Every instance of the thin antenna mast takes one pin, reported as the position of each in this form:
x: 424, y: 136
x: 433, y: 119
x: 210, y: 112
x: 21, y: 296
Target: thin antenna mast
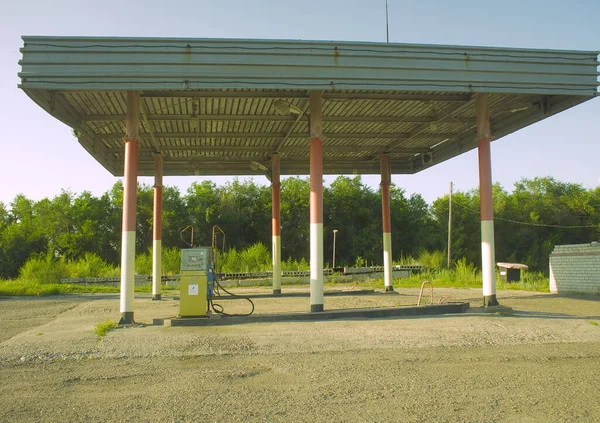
x: 387, y: 25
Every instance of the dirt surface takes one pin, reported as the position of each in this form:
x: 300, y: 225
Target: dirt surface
x: 540, y: 363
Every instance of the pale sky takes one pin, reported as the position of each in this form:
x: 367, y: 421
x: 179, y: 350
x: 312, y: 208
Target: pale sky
x: 40, y: 156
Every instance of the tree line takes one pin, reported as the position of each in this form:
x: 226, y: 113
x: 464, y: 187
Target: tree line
x: 536, y: 215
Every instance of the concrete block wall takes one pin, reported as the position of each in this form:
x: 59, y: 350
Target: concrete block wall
x: 575, y: 269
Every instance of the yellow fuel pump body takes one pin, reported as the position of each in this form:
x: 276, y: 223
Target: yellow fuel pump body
x: 193, y: 282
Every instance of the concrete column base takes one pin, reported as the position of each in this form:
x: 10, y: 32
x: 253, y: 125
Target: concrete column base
x: 157, y: 297
x: 277, y: 292
x: 389, y: 289
x: 490, y: 301
x: 316, y: 308
x: 126, y: 318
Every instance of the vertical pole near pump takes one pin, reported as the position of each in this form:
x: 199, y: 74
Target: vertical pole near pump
x: 276, y: 230
x: 157, y: 228
x: 450, y: 226
x: 131, y: 142
x: 484, y: 137
x: 386, y: 177
x: 316, y: 203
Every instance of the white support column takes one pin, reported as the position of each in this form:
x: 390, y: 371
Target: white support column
x: 131, y: 141
x: 157, y: 228
x: 386, y: 177
x: 276, y: 224
x: 316, y: 203
x: 484, y: 137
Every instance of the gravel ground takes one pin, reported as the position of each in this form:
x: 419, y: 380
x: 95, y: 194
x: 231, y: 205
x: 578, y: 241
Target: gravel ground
x: 540, y: 363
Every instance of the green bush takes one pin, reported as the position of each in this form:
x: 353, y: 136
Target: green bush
x: 432, y: 260
x: 256, y: 258
x: 228, y: 261
x: 91, y: 266
x: 143, y: 263
x: 171, y: 261
x: 464, y: 269
x: 295, y: 265
x: 406, y: 261
x: 43, y: 270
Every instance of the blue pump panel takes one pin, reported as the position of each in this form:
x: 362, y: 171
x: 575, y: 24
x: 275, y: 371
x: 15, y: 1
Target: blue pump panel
x: 210, y: 276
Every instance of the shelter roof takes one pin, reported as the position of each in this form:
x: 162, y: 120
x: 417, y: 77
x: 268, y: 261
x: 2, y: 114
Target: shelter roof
x: 214, y: 106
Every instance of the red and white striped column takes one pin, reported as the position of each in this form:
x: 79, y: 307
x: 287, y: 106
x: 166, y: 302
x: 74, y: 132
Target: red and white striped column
x: 276, y: 223
x: 157, y: 228
x: 131, y: 141
x: 316, y: 203
x: 484, y: 137
x: 386, y: 177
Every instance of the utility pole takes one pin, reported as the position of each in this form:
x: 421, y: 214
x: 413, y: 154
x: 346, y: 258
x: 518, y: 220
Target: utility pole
x: 449, y: 224
x: 335, y: 231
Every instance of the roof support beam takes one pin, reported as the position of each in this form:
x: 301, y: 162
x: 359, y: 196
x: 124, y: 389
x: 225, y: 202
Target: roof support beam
x: 327, y: 95
x: 277, y: 135
x: 421, y: 128
x: 290, y: 128
x: 149, y: 127
x: 279, y: 118
x: 269, y: 150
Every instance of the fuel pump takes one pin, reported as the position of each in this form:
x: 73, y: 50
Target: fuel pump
x: 198, y: 285
x: 196, y: 282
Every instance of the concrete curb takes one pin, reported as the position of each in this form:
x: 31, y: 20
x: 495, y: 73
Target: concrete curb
x: 365, y: 313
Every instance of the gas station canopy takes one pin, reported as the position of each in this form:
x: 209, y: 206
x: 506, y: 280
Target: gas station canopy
x: 224, y: 107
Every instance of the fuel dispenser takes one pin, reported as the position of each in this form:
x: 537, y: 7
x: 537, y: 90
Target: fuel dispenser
x: 196, y: 282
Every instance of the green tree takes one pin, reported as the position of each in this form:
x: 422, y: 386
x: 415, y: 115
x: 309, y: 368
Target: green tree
x: 355, y: 210
x: 295, y: 229
x: 20, y: 236
x: 203, y: 207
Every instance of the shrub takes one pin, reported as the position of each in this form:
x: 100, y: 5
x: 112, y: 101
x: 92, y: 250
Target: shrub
x: 91, y: 266
x: 43, y: 270
x: 406, y: 261
x: 143, y: 263
x: 295, y: 265
x: 359, y: 262
x: 256, y: 258
x: 171, y: 261
x: 464, y: 269
x: 433, y: 260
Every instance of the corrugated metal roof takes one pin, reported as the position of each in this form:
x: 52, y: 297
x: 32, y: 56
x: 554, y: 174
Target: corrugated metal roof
x: 208, y: 105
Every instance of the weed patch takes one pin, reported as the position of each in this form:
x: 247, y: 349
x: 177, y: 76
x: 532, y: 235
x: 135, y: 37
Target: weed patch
x: 103, y: 328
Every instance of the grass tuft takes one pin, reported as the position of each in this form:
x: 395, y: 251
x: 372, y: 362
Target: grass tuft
x: 103, y: 328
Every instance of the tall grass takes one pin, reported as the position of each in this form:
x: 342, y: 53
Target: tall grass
x: 22, y: 288
x: 43, y: 269
x: 256, y: 258
x: 406, y: 261
x: 170, y: 261
x: 91, y: 266
x: 530, y: 281
x: 432, y: 260
x: 295, y: 265
x: 143, y: 263
x: 47, y: 269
